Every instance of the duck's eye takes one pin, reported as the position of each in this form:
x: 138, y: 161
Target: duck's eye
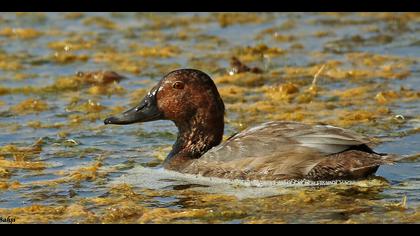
x: 178, y: 85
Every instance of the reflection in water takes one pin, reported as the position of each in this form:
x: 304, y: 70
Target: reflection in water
x: 152, y: 178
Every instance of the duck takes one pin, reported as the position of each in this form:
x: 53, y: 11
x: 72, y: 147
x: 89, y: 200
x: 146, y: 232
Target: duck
x: 274, y: 150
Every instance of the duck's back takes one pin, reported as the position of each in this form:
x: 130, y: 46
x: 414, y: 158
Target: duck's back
x: 290, y: 150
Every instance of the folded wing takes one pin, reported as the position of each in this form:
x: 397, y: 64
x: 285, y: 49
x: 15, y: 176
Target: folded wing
x: 276, y: 150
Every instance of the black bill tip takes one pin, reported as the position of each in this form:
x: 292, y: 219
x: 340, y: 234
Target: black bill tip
x: 110, y: 120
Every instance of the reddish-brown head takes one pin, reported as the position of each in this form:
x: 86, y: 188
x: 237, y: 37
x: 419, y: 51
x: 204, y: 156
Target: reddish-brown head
x: 189, y: 98
x: 185, y: 93
x: 179, y: 96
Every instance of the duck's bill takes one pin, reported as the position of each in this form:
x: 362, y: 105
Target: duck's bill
x: 146, y: 111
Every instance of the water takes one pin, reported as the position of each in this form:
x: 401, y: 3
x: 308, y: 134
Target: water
x: 87, y: 172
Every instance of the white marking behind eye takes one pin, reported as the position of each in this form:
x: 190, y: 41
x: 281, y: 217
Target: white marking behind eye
x: 153, y: 92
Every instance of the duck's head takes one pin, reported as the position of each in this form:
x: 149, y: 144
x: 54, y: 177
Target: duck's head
x: 180, y: 96
x: 190, y: 99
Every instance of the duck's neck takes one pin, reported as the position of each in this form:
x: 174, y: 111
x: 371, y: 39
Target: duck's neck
x: 195, y: 137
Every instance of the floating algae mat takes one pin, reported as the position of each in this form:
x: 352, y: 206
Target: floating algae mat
x: 61, y: 74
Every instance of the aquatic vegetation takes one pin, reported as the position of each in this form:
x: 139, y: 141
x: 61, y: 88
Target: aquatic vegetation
x: 120, y: 61
x: 4, y: 91
x: 4, y: 173
x: 5, y: 185
x: 42, y: 125
x: 73, y: 15
x: 227, y: 19
x: 86, y: 173
x: 247, y: 80
x: 96, y: 83
x: 10, y: 62
x: 38, y: 213
x: 166, y: 51
x: 67, y: 57
x: 100, y: 77
x: 386, y: 96
x: 22, y: 164
x: 232, y: 93
x: 252, y: 53
x: 157, y: 22
x: 58, y: 162
x: 73, y: 44
x: 282, y: 92
x: 29, y: 106
x: 23, y: 33
x: 23, y: 76
x: 100, y: 21
x: 113, y: 89
x: 35, y: 148
x: 87, y: 107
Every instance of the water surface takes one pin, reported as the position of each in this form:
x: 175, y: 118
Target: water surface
x: 59, y: 163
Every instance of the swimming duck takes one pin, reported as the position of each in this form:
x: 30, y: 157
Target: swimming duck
x: 277, y: 150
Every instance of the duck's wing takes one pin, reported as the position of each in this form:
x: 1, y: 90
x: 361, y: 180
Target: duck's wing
x: 276, y: 149
x: 280, y: 136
